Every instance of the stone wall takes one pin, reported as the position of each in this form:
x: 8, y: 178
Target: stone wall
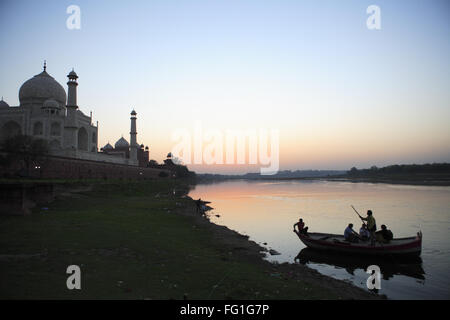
x: 93, y: 156
x: 54, y: 167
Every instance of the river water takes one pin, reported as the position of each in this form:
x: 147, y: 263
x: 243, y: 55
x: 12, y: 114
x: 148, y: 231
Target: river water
x: 266, y: 212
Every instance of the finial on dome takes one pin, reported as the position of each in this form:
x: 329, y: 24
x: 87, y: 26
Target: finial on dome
x: 45, y: 65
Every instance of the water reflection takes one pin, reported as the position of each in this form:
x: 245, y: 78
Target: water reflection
x: 266, y: 212
x: 410, y: 267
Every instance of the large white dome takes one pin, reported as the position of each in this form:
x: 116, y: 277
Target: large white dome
x: 40, y: 88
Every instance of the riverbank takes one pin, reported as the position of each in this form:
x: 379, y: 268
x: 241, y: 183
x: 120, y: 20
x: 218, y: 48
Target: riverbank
x: 422, y: 181
x: 426, y: 181
x: 144, y: 240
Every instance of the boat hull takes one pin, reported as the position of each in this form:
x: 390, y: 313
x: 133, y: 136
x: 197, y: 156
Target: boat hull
x: 327, y: 242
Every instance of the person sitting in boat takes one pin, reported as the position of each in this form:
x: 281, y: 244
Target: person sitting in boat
x: 364, y: 233
x: 301, y: 227
x: 384, y: 235
x: 371, y: 225
x: 350, y: 234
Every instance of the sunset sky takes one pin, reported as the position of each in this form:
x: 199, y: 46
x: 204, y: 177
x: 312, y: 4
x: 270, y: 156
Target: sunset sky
x: 340, y: 95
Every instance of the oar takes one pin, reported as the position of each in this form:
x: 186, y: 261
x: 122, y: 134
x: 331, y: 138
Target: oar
x: 357, y: 213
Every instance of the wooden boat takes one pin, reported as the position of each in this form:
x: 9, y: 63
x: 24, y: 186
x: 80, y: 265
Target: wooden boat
x: 410, y: 266
x: 411, y: 246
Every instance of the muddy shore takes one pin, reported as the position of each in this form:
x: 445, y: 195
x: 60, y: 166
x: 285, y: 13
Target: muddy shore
x: 244, y: 248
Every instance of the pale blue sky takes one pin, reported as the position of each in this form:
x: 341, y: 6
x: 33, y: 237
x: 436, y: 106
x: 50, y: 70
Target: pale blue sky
x: 341, y: 95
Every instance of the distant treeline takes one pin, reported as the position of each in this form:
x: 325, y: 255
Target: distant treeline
x: 285, y: 174
x: 402, y: 169
x: 288, y: 174
x: 421, y: 174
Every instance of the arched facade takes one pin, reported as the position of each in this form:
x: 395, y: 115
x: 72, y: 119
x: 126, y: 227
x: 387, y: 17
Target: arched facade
x: 47, y: 112
x: 55, y: 129
x: 38, y: 128
x: 82, y: 139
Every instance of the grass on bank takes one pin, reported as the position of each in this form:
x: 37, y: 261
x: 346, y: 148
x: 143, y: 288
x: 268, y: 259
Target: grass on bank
x: 130, y: 244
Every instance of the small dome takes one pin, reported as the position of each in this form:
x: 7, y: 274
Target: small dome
x: 133, y: 113
x: 3, y: 104
x: 51, y: 104
x: 72, y: 75
x: 121, y: 143
x: 108, y: 147
x: 40, y: 88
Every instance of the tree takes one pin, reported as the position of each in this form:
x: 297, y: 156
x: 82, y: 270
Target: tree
x: 152, y: 163
x: 353, y: 171
x: 183, y: 172
x: 26, y: 149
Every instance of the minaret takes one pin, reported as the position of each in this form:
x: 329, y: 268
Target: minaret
x: 72, y: 93
x: 133, y: 142
x: 71, y: 121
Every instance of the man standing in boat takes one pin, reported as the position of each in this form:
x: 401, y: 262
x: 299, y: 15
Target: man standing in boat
x: 371, y: 225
